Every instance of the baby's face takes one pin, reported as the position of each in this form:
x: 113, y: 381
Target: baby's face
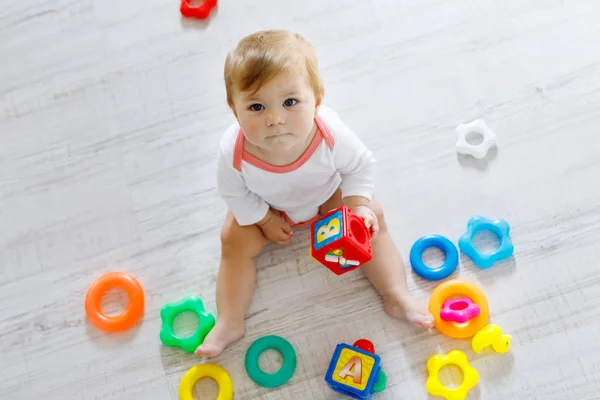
x: 280, y: 115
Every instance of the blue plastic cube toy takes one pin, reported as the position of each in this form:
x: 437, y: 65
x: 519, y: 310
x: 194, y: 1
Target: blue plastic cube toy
x: 353, y: 371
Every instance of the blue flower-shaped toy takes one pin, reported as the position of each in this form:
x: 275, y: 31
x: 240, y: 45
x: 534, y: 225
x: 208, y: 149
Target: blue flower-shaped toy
x: 500, y: 228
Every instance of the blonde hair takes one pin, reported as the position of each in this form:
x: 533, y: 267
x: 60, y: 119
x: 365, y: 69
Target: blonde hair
x: 264, y: 55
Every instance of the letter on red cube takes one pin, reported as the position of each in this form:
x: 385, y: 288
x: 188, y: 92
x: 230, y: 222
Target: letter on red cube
x: 341, y: 241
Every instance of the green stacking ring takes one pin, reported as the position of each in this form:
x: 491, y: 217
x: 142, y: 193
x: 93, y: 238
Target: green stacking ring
x: 285, y: 372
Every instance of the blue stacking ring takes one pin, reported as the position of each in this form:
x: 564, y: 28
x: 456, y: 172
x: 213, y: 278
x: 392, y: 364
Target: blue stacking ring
x: 500, y: 228
x: 442, y: 243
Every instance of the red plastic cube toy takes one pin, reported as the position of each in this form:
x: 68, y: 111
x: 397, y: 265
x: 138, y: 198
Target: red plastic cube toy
x: 340, y: 241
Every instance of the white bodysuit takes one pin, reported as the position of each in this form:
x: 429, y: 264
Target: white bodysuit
x: 336, y: 158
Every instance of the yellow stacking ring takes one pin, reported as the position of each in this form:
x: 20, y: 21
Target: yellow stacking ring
x: 200, y: 371
x: 458, y: 358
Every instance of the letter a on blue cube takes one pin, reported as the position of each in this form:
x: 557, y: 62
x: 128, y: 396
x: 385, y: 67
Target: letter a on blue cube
x: 353, y: 371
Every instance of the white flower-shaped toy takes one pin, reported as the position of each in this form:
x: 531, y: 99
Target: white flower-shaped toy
x: 476, y: 150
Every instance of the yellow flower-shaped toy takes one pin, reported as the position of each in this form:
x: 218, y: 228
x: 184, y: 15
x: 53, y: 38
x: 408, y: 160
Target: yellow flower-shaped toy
x: 458, y: 358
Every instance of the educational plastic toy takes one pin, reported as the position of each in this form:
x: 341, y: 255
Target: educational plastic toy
x: 458, y: 358
x: 442, y: 243
x: 491, y: 335
x: 476, y: 150
x: 287, y: 368
x: 340, y: 241
x: 168, y: 313
x: 355, y: 372
x: 458, y: 289
x: 460, y: 310
x: 123, y: 321
x: 198, y: 372
x: 500, y: 228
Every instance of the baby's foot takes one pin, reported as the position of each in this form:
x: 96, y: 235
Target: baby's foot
x: 409, y: 308
x: 223, y: 334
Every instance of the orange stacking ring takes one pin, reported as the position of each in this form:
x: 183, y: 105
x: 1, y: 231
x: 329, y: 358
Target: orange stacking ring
x: 129, y: 317
x: 464, y: 289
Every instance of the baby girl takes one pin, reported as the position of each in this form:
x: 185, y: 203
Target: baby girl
x: 287, y: 160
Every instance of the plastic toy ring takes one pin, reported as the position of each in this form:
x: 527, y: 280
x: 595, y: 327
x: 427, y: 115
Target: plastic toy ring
x: 129, y: 317
x: 285, y: 372
x: 460, y: 289
x: 500, y: 228
x: 201, y: 12
x: 213, y: 371
x: 480, y: 150
x: 442, y: 243
x: 458, y: 358
x: 168, y: 313
x: 460, y: 310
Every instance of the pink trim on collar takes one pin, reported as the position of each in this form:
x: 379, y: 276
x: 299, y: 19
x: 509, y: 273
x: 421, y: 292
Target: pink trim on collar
x: 240, y: 154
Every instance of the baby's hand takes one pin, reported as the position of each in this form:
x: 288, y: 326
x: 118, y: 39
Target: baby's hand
x: 276, y: 229
x: 368, y: 217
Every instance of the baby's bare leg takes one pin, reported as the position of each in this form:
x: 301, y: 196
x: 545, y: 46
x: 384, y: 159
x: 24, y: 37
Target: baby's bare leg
x: 235, y: 284
x: 386, y: 272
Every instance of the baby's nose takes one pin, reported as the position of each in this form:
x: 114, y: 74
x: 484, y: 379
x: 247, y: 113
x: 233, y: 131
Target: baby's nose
x: 275, y: 118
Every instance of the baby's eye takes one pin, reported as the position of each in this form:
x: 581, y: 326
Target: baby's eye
x: 290, y: 102
x: 257, y: 107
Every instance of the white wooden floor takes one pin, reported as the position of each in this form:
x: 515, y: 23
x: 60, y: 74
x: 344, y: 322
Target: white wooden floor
x: 110, y: 115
